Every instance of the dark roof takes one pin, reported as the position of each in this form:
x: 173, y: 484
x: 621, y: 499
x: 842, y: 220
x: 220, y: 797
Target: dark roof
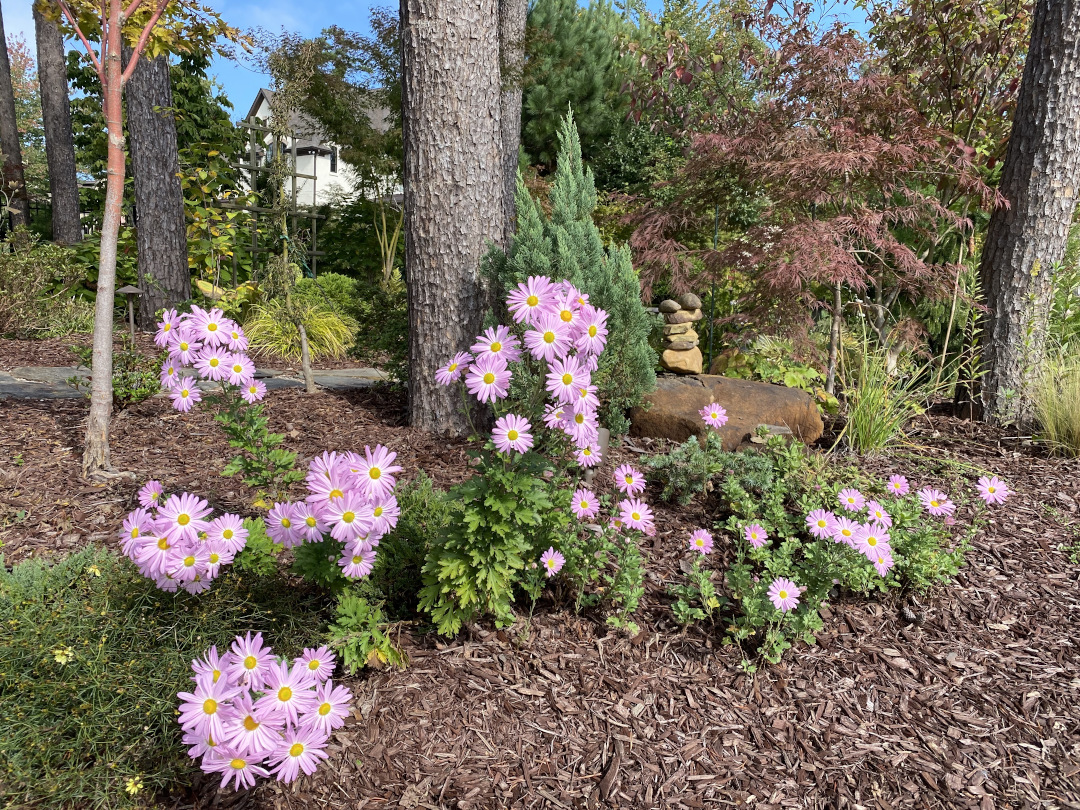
x: 308, y: 133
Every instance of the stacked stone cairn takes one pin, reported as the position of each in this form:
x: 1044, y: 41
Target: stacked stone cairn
x: 680, y: 348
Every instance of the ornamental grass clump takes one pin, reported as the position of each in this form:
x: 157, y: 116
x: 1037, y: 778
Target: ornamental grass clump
x: 514, y: 530
x: 1057, y: 406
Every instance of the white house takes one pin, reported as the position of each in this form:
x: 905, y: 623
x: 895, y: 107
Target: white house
x: 328, y: 177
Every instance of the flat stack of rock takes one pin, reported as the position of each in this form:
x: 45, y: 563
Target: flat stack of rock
x: 680, y: 348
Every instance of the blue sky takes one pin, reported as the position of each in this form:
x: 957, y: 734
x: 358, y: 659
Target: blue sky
x: 241, y: 79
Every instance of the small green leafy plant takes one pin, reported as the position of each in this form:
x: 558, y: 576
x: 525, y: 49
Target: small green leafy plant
x: 360, y: 634
x: 689, y: 469
x: 697, y: 599
x: 135, y: 377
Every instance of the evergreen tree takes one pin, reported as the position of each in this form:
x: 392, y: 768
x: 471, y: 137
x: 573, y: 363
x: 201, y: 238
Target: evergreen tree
x: 572, y: 62
x: 567, y: 245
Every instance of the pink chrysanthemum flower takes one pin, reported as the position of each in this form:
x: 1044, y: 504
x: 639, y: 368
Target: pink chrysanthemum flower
x: 935, y: 502
x: 210, y: 666
x: 565, y: 377
x: 898, y: 486
x: 636, y: 514
x: 567, y: 309
x: 212, y: 363
x: 236, y: 340
x: 384, y: 514
x: 229, y: 531
x: 702, y: 541
x: 150, y: 494
x: 552, y: 562
x: 993, y: 490
x: 239, y: 370
x: 210, y: 325
x: 324, y: 490
x: 319, y: 663
x: 301, y: 749
x: 784, y: 594
x: 189, y: 563
x: 218, y: 554
x: 488, y: 378
x: 531, y: 299
x: 593, y: 331
x: 871, y: 541
x: 883, y: 562
x: 249, y: 661
x: 628, y: 480
x: 755, y: 535
x: 582, y: 428
x: 184, y: 347
x: 166, y: 327
x: 331, y: 708
x: 234, y: 767
x: 153, y: 556
x: 851, y: 499
x: 254, y: 392
x: 205, y: 710
x: 349, y: 517
x: 169, y: 376
x: 548, y: 339
x: 512, y: 433
x: 307, y: 517
x: 555, y: 416
x: 287, y: 692
x: 821, y: 523
x: 714, y: 415
x: 375, y: 471
x: 588, y: 456
x: 138, y: 523
x: 585, y: 400
x: 283, y: 527
x: 185, y: 394
x: 584, y: 504
x: 357, y: 563
x: 877, y: 514
x: 454, y: 368
x: 182, y: 517
x: 845, y: 531
x: 250, y: 732
x: 497, y: 341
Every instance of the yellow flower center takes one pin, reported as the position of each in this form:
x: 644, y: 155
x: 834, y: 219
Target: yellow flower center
x: 286, y: 523
x: 378, y: 511
x: 532, y: 300
x: 252, y: 389
x: 489, y: 378
x: 584, y: 504
x: 512, y: 435
x: 214, y: 362
x: 871, y: 541
x: 209, y: 706
x: 991, y: 490
x: 629, y: 479
x: 336, y: 493
x: 357, y: 560
x: 587, y: 451
x: 324, y: 709
x: 549, y: 337
x: 211, y: 327
x: 189, y: 561
x: 237, y: 368
x: 238, y: 764
x: 310, y: 521
x: 284, y: 694
x: 348, y: 517
x: 496, y: 346
x: 183, y: 520
x: 167, y: 327
x: 592, y: 330
x: 227, y: 534
x: 934, y: 504
x: 215, y: 675
x: 579, y: 418
x: 214, y: 557
x: 163, y: 544
x: 250, y: 662
x: 551, y: 563
x: 452, y: 367
x: 567, y: 379
x: 296, y: 749
x: 250, y: 723
x: 184, y: 393
x: 782, y: 594
x: 374, y: 473
x: 821, y: 524
x: 314, y: 664
x: 183, y: 345
x: 635, y: 515
x: 846, y: 532
x: 134, y: 532
x: 566, y: 315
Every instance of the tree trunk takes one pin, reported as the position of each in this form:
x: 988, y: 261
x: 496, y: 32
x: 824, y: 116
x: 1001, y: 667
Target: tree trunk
x: 96, y: 451
x: 1025, y: 240
x: 14, y: 182
x: 59, y: 145
x: 160, y: 227
x: 453, y: 187
x: 512, y: 14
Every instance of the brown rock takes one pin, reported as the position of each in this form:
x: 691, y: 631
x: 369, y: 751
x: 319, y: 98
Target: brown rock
x: 672, y: 409
x: 680, y: 345
x: 684, y: 316
x: 689, y: 301
x: 677, y: 328
x: 687, y: 334
x: 669, y: 306
x: 682, y: 362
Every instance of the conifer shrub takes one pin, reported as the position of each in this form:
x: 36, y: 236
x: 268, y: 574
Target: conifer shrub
x: 567, y: 244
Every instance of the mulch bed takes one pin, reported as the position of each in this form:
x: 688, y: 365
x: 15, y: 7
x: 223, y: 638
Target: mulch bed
x: 976, y: 706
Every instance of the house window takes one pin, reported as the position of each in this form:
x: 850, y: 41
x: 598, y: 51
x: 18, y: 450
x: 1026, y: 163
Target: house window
x: 333, y: 160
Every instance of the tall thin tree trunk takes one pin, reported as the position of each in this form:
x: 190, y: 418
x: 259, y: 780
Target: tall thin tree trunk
x: 453, y: 187
x: 305, y: 361
x: 834, y: 339
x: 1024, y: 240
x: 14, y: 181
x: 161, y: 230
x: 512, y: 16
x: 59, y: 144
x: 96, y: 451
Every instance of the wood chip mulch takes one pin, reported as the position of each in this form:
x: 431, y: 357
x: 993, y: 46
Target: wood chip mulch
x: 975, y: 706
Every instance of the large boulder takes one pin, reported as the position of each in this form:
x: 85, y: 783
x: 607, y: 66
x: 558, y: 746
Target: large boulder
x: 672, y: 409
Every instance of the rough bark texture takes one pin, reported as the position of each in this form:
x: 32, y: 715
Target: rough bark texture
x: 512, y: 15
x: 59, y: 145
x: 161, y: 231
x: 453, y: 187
x: 1039, y: 180
x: 14, y: 183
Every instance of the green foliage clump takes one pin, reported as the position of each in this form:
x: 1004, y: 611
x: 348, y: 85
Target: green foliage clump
x: 690, y: 469
x: 697, y: 599
x: 272, y: 327
x: 92, y: 658
x: 360, y: 634
x: 879, y: 403
x: 1057, y: 404
x: 35, y: 277
x: 339, y: 292
x: 567, y: 245
x: 506, y: 515
x: 135, y: 377
x: 261, y: 463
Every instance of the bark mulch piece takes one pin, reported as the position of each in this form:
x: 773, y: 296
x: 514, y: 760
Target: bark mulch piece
x: 977, y: 706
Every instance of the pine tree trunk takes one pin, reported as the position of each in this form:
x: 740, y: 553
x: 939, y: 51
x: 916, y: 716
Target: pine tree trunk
x: 59, y: 145
x: 1024, y: 240
x: 96, y: 450
x: 161, y: 230
x: 512, y: 15
x: 14, y: 182
x: 453, y: 187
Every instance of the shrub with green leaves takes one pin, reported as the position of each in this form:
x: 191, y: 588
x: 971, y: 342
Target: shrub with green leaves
x: 136, y: 376
x: 272, y: 327
x: 35, y: 277
x: 362, y: 636
x: 690, y: 469
x: 91, y: 659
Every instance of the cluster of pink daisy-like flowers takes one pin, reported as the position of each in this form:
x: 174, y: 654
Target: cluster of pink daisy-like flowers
x: 253, y: 715
x: 869, y: 537
x: 563, y: 331
x: 174, y: 542
x: 351, y: 498
x: 205, y: 346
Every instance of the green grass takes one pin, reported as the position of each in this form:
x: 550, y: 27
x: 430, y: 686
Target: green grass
x: 1057, y: 405
x: 880, y: 404
x: 91, y: 658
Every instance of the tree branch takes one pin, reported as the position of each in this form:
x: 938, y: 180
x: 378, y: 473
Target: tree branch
x: 136, y: 52
x: 82, y: 37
